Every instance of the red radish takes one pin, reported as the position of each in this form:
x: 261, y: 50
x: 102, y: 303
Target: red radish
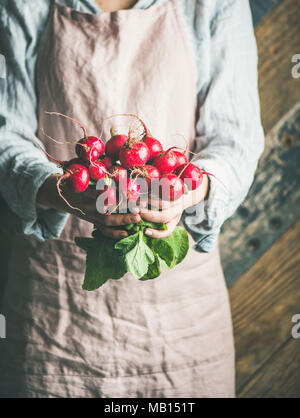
x: 77, y: 176
x: 171, y: 187
x: 97, y: 170
x: 90, y: 149
x: 119, y: 174
x: 166, y: 162
x: 78, y: 179
x: 151, y: 173
x: 131, y: 189
x: 191, y: 175
x: 107, y: 161
x: 134, y: 155
x: 181, y: 158
x: 114, y: 145
x: 147, y: 176
x: 148, y: 172
x: 154, y: 146
x: 110, y: 198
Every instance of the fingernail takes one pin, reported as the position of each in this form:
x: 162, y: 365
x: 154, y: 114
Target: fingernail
x: 135, y: 210
x: 148, y: 232
x: 124, y: 234
x: 134, y: 218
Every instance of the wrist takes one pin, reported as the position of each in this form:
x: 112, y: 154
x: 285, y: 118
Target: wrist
x: 47, y: 195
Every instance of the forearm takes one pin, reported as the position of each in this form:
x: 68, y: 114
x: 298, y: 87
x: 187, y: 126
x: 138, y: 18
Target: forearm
x: 229, y: 135
x: 48, y: 195
x: 25, y: 170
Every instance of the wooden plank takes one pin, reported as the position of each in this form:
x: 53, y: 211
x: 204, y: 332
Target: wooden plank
x: 278, y: 38
x: 263, y: 302
x: 273, y: 203
x: 279, y: 377
x: 261, y: 8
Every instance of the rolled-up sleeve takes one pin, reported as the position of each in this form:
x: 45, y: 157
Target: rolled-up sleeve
x: 23, y: 166
x: 229, y: 131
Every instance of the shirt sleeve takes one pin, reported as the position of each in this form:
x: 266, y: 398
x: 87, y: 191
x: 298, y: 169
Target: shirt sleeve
x: 23, y: 166
x: 230, y: 136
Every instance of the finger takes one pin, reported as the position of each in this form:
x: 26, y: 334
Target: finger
x: 154, y: 233
x: 112, y: 233
x: 155, y: 203
x: 117, y: 220
x: 160, y: 216
x: 156, y: 216
x: 142, y: 202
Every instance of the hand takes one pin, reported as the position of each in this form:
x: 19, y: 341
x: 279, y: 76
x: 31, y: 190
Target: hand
x: 170, y: 212
x: 86, y: 202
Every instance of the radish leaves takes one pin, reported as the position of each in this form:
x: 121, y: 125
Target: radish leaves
x: 137, y: 254
x: 103, y: 262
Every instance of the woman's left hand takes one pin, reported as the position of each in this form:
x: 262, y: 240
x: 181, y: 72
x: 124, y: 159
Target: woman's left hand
x: 170, y: 212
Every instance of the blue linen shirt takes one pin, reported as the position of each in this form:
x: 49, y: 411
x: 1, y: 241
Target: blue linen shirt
x: 229, y: 126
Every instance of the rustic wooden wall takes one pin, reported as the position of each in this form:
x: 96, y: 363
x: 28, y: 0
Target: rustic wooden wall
x: 260, y: 245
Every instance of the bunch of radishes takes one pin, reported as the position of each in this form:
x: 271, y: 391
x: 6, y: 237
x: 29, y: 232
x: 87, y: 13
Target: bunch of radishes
x: 123, y: 161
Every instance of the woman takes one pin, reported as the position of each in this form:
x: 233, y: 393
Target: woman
x: 186, y: 67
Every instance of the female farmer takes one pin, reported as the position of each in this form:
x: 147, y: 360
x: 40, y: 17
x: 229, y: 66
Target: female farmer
x: 184, y: 66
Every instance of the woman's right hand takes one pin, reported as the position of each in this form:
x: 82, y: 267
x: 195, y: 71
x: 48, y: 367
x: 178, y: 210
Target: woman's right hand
x: 48, y: 196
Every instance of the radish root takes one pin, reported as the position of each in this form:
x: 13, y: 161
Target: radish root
x: 69, y: 118
x: 60, y: 163
x: 146, y: 132
x: 64, y: 176
x: 61, y: 142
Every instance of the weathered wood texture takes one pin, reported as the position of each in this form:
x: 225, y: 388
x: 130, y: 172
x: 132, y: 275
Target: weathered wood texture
x: 278, y: 39
x: 263, y: 301
x: 279, y: 378
x: 273, y: 203
x: 260, y: 8
x: 261, y: 257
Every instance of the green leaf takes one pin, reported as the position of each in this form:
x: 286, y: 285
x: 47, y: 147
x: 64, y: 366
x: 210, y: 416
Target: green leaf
x: 164, y: 249
x: 164, y: 265
x: 141, y: 225
x: 154, y: 270
x: 84, y: 243
x: 126, y: 244
x: 103, y: 262
x: 127, y: 227
x: 152, y: 225
x: 179, y: 241
x: 137, y: 254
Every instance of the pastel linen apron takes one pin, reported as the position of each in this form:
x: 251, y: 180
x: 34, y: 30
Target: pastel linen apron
x: 169, y: 337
